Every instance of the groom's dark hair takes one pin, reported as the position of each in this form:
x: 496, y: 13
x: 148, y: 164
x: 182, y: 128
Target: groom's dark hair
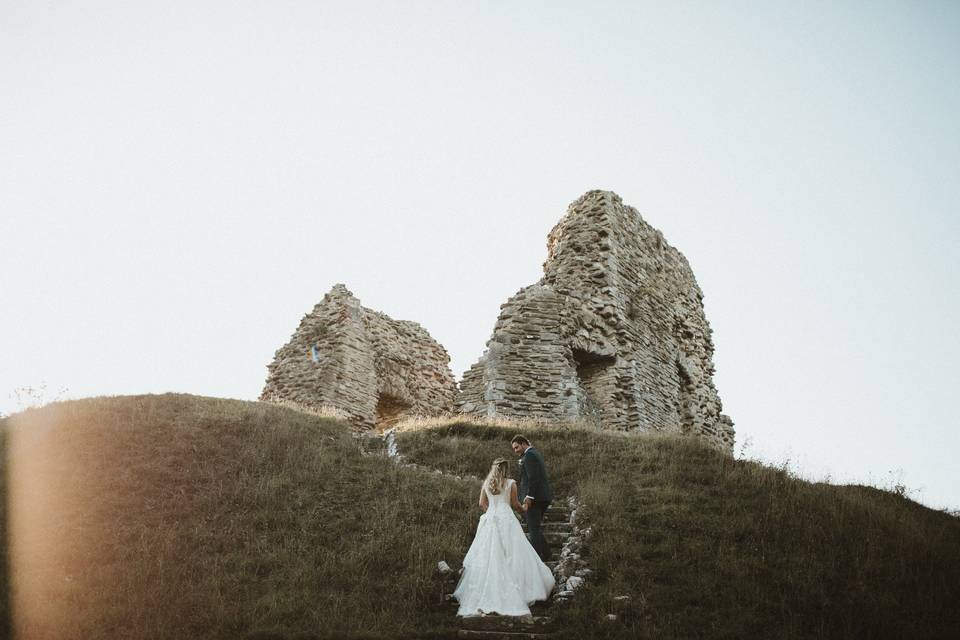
x: 520, y: 440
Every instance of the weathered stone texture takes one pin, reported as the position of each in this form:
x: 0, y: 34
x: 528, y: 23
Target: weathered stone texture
x: 375, y: 369
x: 614, y: 332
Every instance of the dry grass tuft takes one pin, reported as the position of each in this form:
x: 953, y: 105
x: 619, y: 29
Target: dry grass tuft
x: 322, y: 411
x: 517, y: 423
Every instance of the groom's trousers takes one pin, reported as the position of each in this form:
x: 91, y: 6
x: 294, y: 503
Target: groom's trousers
x: 534, y: 517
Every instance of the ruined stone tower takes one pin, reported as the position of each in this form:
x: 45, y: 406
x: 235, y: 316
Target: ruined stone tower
x: 362, y: 362
x: 614, y: 333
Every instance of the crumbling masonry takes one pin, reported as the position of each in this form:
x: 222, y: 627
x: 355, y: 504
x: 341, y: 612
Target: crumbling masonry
x: 613, y: 333
x: 375, y: 369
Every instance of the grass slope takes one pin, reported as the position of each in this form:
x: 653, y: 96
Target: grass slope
x: 178, y: 516
x: 711, y: 547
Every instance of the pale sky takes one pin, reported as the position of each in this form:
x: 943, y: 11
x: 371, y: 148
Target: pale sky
x: 181, y: 182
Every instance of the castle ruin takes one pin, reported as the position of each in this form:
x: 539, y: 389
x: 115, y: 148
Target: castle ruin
x: 614, y: 333
x: 373, y: 368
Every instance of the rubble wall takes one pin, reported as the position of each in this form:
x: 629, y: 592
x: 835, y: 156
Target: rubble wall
x: 614, y: 333
x: 375, y: 369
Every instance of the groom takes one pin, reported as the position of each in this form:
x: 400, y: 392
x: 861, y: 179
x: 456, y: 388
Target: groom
x: 535, y: 489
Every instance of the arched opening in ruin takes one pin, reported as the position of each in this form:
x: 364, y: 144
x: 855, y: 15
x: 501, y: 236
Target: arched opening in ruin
x: 390, y: 410
x: 593, y: 375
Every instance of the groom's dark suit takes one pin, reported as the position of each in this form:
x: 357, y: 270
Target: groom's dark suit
x: 535, y: 484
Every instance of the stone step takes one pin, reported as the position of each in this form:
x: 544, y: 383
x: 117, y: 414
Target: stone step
x: 556, y: 527
x: 471, y: 634
x: 552, y: 526
x: 552, y: 531
x: 506, y: 623
x: 555, y: 539
x: 555, y: 519
x: 557, y: 510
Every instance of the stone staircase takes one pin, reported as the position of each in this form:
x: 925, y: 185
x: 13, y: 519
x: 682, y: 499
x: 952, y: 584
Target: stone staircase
x: 557, y: 529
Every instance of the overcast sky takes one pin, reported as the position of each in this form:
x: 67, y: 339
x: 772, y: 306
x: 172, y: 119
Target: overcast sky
x: 181, y: 182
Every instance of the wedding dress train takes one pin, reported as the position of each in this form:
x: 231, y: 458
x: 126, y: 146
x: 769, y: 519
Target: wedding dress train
x: 502, y: 572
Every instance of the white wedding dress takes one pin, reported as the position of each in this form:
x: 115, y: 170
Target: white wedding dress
x: 502, y: 572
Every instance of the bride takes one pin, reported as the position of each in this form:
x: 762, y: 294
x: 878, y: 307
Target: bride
x: 502, y: 572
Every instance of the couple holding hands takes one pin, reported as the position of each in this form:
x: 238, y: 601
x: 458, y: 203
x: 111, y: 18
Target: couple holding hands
x: 503, y: 571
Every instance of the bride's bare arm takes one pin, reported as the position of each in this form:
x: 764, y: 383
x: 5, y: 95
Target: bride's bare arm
x: 483, y: 499
x: 513, y: 498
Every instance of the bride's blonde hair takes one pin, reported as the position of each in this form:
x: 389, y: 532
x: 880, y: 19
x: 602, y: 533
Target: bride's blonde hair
x: 497, y: 476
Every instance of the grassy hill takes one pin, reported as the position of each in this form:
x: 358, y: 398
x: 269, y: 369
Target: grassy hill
x: 711, y: 547
x: 178, y: 516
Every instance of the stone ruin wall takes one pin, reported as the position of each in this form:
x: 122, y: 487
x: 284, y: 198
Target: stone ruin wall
x: 375, y: 369
x: 614, y: 333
